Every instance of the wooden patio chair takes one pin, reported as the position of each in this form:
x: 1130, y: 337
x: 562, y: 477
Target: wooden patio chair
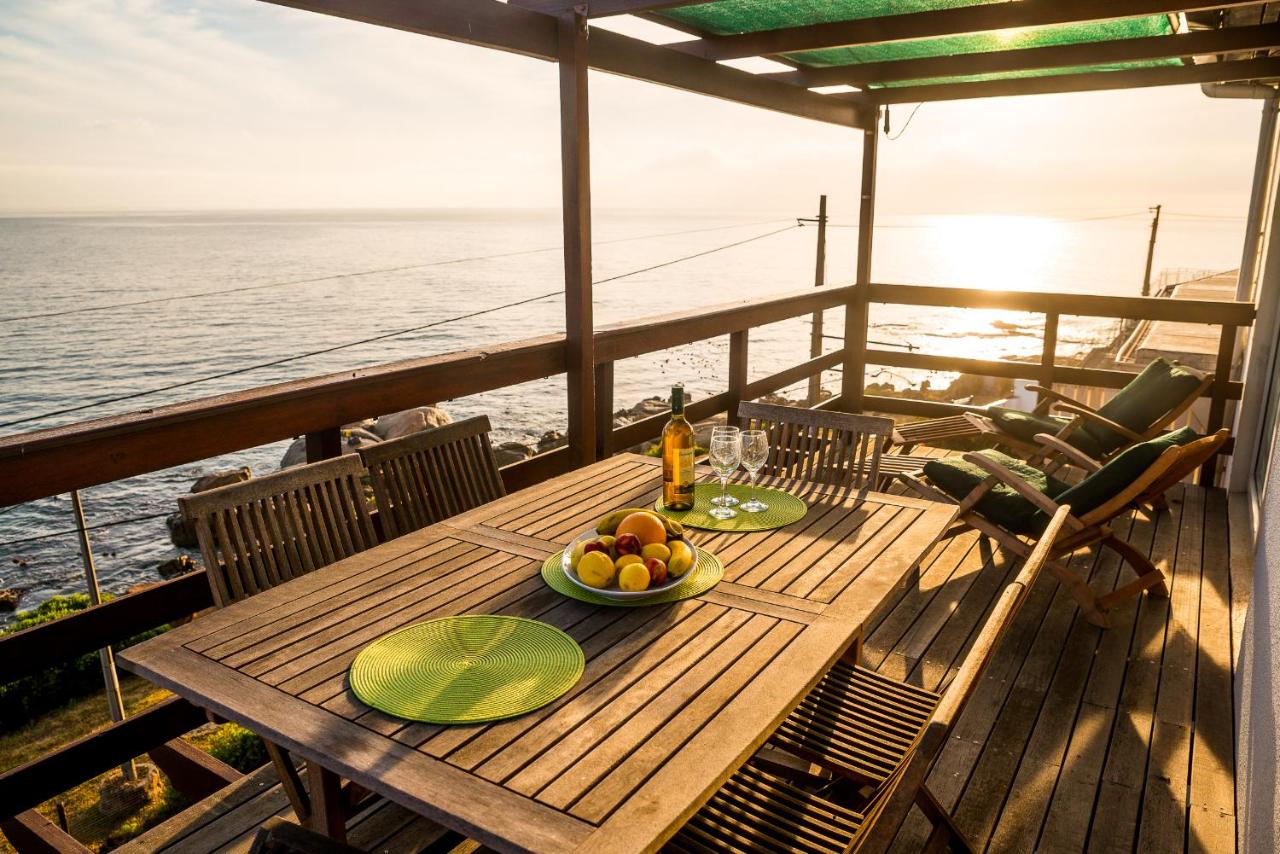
x: 425, y: 477
x: 266, y: 531
x: 855, y: 713
x: 1142, y: 410
x: 832, y: 448
x: 1007, y: 500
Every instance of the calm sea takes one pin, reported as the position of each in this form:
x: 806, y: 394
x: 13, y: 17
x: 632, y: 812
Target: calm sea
x: 338, y: 277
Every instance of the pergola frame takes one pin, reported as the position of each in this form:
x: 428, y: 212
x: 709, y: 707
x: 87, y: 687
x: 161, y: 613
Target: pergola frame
x: 559, y: 31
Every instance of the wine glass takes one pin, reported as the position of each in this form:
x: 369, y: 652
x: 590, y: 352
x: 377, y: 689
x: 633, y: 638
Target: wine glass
x: 755, y: 451
x: 724, y: 499
x: 724, y: 455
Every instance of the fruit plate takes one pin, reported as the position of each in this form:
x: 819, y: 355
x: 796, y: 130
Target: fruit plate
x: 613, y: 592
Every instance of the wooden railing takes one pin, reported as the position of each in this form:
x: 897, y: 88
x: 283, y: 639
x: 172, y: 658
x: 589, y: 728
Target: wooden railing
x: 48, y: 462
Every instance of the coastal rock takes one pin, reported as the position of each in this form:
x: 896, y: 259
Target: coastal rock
x: 180, y: 565
x: 511, y: 452
x: 410, y: 421
x: 551, y: 440
x: 181, y: 532
x: 647, y: 408
x: 225, y: 477
x: 10, y: 597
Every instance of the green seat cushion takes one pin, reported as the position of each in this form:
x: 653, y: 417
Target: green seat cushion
x: 1025, y: 426
x: 1160, y: 387
x: 1001, y: 505
x: 1126, y: 467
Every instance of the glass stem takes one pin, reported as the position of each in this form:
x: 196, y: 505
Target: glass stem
x: 753, y: 488
x: 724, y: 489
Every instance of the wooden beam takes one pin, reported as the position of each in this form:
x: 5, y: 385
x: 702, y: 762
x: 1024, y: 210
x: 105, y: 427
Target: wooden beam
x: 857, y: 314
x: 503, y: 26
x: 1209, y: 72
x: 1198, y: 43
x: 575, y: 182
x: 602, y: 8
x: 986, y: 17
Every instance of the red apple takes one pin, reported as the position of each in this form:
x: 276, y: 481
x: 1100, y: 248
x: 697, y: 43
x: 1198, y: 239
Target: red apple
x: 627, y: 544
x: 596, y: 546
x: 657, y: 570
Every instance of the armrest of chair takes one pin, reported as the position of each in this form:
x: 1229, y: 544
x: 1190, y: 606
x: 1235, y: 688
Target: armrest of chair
x: 1077, y: 457
x: 1009, y: 479
x: 1089, y: 415
x: 1049, y: 396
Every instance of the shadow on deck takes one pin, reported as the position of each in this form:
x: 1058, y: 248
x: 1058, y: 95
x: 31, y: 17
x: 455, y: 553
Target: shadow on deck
x: 1079, y: 738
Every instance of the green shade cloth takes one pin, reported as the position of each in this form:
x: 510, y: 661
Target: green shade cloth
x: 1001, y: 505
x: 1025, y: 426
x: 784, y: 508
x: 1107, y: 482
x: 1149, y: 396
x: 729, y: 17
x: 704, y: 575
x: 466, y: 670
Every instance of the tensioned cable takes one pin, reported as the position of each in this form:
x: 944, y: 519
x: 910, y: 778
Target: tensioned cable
x: 110, y: 524
x: 382, y: 337
x: 337, y: 276
x: 938, y: 225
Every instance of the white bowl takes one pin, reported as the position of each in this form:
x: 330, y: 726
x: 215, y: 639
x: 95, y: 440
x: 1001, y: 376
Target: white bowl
x: 615, y: 594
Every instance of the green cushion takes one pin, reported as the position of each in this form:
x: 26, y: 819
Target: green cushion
x: 1025, y: 426
x: 1001, y: 505
x: 1107, y: 482
x: 1160, y: 387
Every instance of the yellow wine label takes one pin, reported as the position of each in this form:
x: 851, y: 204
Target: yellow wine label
x: 684, y: 477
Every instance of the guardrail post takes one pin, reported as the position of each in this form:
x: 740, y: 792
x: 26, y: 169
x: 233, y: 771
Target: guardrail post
x: 324, y: 444
x: 604, y: 410
x: 1218, y: 397
x: 738, y: 349
x: 856, y: 312
x: 1049, y: 353
x: 819, y: 279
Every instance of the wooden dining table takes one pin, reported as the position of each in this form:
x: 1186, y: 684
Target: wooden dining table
x: 674, y: 697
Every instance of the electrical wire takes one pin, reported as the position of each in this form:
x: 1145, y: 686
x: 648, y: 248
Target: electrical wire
x: 112, y: 523
x: 380, y: 337
x: 338, y: 276
x: 905, y: 124
x: 942, y: 225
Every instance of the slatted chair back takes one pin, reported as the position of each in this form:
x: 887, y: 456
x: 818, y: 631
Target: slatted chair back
x: 833, y: 448
x: 904, y: 788
x: 266, y: 531
x: 429, y: 476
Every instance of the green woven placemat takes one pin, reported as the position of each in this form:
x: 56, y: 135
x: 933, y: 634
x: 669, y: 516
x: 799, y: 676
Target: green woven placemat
x: 704, y: 575
x: 784, y: 508
x: 466, y: 670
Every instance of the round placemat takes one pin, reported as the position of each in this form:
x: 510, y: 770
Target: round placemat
x: 704, y: 575
x: 784, y: 508
x: 466, y: 670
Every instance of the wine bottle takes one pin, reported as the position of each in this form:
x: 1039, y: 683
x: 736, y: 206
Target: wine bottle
x: 677, y: 456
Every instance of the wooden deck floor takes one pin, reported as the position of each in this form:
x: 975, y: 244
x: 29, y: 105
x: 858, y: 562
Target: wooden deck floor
x: 1083, y: 739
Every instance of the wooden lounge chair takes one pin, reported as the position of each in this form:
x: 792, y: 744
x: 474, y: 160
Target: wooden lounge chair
x: 266, y: 531
x: 1141, y: 410
x: 854, y: 712
x: 1007, y: 499
x: 425, y: 477
x: 819, y: 446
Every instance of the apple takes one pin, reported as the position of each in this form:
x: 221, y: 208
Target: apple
x: 657, y: 570
x: 595, y: 546
x: 627, y: 544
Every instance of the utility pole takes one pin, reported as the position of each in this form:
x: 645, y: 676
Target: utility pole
x: 1151, y: 250
x: 819, y: 279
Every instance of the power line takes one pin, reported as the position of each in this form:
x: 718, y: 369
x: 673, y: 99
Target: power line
x: 338, y: 276
x: 943, y: 225
x: 905, y: 124
x: 110, y: 524
x: 381, y: 337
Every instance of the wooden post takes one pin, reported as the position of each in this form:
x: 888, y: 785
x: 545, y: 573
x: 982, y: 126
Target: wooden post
x: 324, y: 444
x: 1049, y: 353
x: 110, y: 679
x: 1151, y: 251
x: 819, y: 279
x: 1218, y: 398
x: 856, y: 313
x: 604, y: 410
x: 738, y: 350
x: 575, y: 174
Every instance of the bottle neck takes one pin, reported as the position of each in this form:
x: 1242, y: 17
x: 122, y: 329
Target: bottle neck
x: 677, y: 403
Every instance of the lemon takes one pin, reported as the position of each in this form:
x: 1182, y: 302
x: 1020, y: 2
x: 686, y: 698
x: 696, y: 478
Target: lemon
x: 634, y: 577
x: 681, y: 558
x: 626, y: 559
x: 596, y: 570
x: 657, y: 551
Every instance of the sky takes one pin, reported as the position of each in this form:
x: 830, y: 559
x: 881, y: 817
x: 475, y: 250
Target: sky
x: 131, y: 105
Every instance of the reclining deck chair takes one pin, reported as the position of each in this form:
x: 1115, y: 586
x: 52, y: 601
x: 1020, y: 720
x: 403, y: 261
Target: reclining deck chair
x: 1006, y: 499
x: 1141, y: 410
x: 856, y: 712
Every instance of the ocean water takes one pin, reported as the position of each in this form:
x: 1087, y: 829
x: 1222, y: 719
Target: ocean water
x: 309, y: 281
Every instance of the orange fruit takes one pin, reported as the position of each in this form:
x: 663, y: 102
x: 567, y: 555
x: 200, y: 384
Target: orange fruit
x: 647, y: 527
